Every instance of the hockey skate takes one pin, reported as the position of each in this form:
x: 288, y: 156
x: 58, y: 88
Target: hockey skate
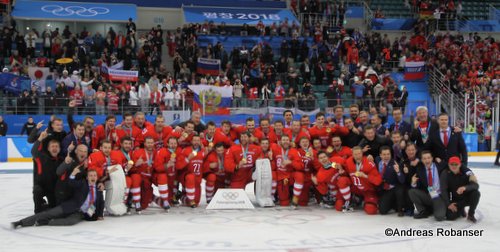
x: 346, y: 208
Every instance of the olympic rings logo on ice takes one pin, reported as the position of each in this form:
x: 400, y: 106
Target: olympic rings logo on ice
x: 230, y: 195
x: 61, y: 11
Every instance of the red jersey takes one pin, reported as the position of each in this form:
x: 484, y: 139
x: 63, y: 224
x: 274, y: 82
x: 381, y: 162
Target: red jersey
x: 214, y: 158
x: 369, y: 168
x: 309, y: 160
x: 218, y: 137
x: 194, y: 165
x: 187, y: 140
x: 159, y: 137
x: 164, y: 155
x: 100, y: 133
x: 148, y: 158
x: 132, y: 132
x: 344, y: 152
x: 280, y: 155
x: 118, y: 157
x: 326, y: 175
x: 322, y: 134
x: 295, y: 138
x: 273, y: 138
x: 232, y: 135
x: 99, y: 162
x: 235, y: 154
x: 241, y: 129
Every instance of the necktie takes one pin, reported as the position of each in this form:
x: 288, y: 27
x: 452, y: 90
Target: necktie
x: 396, y: 128
x: 445, y: 138
x: 429, y: 177
x: 91, y: 200
x: 383, y: 169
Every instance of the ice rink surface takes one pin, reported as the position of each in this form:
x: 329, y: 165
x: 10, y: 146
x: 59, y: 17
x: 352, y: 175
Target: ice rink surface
x: 269, y: 229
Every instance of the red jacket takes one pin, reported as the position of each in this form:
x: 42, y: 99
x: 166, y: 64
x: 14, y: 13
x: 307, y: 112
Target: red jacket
x: 369, y: 168
x: 278, y: 158
x: 99, y: 162
x: 134, y: 133
x: 157, y: 99
x: 118, y: 158
x: 213, y: 158
x: 159, y: 137
x: 233, y: 157
x: 146, y: 169
x: 163, y: 156
x: 218, y: 137
x: 186, y: 142
x: 195, y: 165
x: 326, y: 175
x: 100, y: 133
x: 344, y: 152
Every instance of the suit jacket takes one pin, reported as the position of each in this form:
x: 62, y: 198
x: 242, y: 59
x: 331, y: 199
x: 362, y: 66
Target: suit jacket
x: 456, y: 146
x: 404, y: 128
x: 421, y: 172
x: 416, y: 136
x: 81, y: 190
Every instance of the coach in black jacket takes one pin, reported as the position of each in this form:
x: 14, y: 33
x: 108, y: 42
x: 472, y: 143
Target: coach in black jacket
x: 354, y: 137
x: 422, y: 127
x: 87, y: 203
x: 461, y: 184
x: 44, y: 172
x: 445, y: 143
x: 78, y: 158
x: 372, y: 143
x: 399, y: 125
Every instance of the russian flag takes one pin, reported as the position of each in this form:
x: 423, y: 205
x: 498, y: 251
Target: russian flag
x: 208, y: 66
x: 414, y: 70
x: 217, y: 100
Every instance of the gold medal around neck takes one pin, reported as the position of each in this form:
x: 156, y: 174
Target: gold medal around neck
x: 195, y: 153
x: 130, y: 162
x: 329, y: 149
x: 308, y: 154
x: 211, y: 145
x: 244, y: 160
x: 328, y: 130
x: 357, y: 174
x: 173, y: 155
x: 334, y: 165
x: 185, y: 135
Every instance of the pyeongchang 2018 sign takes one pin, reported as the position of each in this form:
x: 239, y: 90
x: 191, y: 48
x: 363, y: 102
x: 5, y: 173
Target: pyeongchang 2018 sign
x: 56, y: 10
x: 235, y: 16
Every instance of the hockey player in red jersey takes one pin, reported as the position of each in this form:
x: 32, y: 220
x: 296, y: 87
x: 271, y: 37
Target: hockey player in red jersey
x: 249, y: 127
x: 307, y: 154
x: 144, y: 164
x: 127, y: 129
x: 338, y: 150
x: 212, y: 137
x: 326, y: 178
x: 240, y: 161
x: 103, y: 132
x: 214, y: 170
x: 296, y: 133
x: 169, y: 160
x: 184, y: 137
x: 289, y: 171
x: 266, y: 131
x: 191, y: 175
x: 100, y: 160
x: 158, y: 131
x: 123, y: 157
x: 362, y: 181
x: 227, y: 130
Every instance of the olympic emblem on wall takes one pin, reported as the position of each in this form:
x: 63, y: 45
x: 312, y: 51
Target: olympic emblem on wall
x: 61, y: 11
x: 230, y: 195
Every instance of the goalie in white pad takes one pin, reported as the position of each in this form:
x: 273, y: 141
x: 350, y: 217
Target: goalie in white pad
x: 115, y: 189
x: 263, y: 183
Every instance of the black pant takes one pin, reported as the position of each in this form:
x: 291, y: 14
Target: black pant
x: 498, y: 157
x: 40, y: 191
x: 470, y: 199
x: 424, y: 202
x: 392, y: 199
x: 53, y: 217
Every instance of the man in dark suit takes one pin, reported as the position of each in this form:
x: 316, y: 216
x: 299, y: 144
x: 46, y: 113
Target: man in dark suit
x: 339, y: 115
x: 87, y: 203
x: 422, y: 127
x: 392, y: 190
x: 425, y: 192
x: 399, y: 125
x: 76, y: 137
x: 445, y: 143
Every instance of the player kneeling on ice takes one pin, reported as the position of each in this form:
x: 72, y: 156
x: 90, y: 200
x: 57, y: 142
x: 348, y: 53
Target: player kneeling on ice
x: 86, y: 203
x: 392, y: 189
x: 461, y: 183
x: 362, y: 180
x: 326, y: 180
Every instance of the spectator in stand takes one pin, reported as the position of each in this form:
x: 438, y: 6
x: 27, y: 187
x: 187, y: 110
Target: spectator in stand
x: 77, y: 95
x: 3, y: 127
x: 89, y: 96
x: 156, y: 97
x: 33, y: 102
x: 28, y: 126
x: 133, y: 100
x: 112, y: 98
x: 144, y: 96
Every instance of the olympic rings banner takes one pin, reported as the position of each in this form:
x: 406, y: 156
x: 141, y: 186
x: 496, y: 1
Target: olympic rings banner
x: 235, y: 16
x: 74, y: 11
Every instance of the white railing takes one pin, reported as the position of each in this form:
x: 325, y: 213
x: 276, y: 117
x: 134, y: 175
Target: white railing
x: 445, y: 98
